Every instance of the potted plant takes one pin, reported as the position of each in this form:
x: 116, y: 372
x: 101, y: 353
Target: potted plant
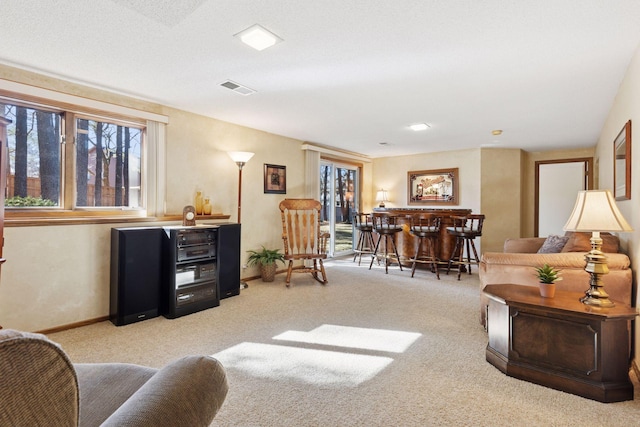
x: 548, y: 276
x: 266, y: 259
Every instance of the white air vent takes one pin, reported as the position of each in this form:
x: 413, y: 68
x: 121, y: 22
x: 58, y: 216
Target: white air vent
x: 242, y: 90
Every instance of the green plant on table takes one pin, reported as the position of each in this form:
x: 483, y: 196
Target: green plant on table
x: 548, y: 274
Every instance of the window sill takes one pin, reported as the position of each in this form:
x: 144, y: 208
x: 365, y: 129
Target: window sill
x: 50, y: 220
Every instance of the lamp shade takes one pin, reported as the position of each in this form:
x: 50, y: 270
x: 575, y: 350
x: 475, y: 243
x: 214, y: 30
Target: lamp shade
x: 382, y: 196
x: 596, y: 210
x: 240, y: 156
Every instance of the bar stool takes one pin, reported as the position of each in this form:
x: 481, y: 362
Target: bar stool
x: 465, y: 229
x: 426, y: 227
x: 386, y: 226
x: 363, y: 223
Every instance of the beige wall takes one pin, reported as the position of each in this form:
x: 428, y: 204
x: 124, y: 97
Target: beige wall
x: 197, y: 160
x: 59, y: 275
x: 481, y: 172
x: 501, y: 190
x: 626, y: 106
x: 55, y: 275
x: 390, y: 173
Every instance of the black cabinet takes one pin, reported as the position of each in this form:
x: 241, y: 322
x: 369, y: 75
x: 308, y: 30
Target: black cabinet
x: 190, y: 278
x: 136, y: 266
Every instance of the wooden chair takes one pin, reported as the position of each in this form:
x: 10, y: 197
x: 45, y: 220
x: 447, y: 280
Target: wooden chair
x: 302, y: 237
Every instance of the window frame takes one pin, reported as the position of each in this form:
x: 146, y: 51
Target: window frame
x: 70, y: 195
x: 72, y: 107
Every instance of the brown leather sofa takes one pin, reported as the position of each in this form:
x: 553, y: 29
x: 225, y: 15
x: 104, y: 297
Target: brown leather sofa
x: 516, y: 266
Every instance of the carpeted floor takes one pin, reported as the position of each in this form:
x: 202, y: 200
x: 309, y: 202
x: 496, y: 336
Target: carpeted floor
x: 368, y: 349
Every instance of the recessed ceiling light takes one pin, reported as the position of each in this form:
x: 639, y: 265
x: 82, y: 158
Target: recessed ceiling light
x: 258, y: 37
x: 496, y: 132
x: 384, y: 143
x: 419, y: 126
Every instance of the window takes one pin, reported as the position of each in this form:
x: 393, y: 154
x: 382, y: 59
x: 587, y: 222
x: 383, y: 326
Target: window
x: 107, y: 164
x: 100, y: 167
x: 33, y: 173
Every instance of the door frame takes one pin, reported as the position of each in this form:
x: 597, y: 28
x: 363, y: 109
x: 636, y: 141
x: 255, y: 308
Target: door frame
x: 588, y: 182
x: 357, y: 199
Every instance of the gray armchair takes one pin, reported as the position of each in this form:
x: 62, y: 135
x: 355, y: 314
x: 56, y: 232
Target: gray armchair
x: 41, y: 387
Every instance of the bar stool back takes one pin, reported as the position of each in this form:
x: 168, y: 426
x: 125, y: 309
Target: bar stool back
x: 426, y: 227
x: 386, y: 226
x: 465, y: 229
x: 364, y: 224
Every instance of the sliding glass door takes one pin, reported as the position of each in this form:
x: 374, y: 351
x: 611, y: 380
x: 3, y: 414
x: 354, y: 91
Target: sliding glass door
x: 339, y: 187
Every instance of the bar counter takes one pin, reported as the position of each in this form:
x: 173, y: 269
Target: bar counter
x: 406, y: 242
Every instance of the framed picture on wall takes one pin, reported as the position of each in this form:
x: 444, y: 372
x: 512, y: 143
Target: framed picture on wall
x: 275, y: 179
x: 433, y: 187
x: 622, y: 163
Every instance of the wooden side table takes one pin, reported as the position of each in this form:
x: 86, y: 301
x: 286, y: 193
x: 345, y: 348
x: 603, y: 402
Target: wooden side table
x: 560, y: 342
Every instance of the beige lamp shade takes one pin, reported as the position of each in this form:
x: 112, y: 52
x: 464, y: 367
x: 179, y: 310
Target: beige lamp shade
x: 240, y: 156
x: 596, y: 210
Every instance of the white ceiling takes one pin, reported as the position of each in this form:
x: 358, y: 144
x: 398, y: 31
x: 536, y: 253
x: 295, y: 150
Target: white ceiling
x: 350, y: 73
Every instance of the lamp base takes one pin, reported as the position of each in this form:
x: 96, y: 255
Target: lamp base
x: 596, y: 301
x: 597, y: 267
x: 381, y: 205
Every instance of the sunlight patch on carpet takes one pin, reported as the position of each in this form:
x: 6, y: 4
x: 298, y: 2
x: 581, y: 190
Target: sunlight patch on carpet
x: 351, y: 337
x: 317, y: 367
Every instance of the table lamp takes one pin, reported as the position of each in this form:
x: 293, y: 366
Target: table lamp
x: 382, y: 196
x: 596, y: 211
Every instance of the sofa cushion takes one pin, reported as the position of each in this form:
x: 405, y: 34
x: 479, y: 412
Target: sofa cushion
x: 562, y: 260
x: 104, y: 387
x: 581, y: 242
x: 525, y: 245
x: 187, y: 392
x: 553, y: 244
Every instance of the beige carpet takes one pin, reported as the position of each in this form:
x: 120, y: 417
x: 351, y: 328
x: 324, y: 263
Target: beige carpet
x: 368, y: 349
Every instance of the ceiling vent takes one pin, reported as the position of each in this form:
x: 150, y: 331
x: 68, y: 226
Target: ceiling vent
x: 242, y: 90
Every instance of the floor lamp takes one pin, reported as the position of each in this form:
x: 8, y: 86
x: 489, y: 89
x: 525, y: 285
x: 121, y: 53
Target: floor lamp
x: 241, y: 158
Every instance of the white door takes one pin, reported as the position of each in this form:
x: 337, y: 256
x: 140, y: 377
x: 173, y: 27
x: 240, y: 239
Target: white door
x: 558, y: 186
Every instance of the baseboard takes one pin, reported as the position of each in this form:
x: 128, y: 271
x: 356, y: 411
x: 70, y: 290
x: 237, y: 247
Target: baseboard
x: 246, y: 279
x: 73, y: 325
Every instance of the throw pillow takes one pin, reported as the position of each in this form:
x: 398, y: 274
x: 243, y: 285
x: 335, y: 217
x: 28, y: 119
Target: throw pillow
x: 553, y: 244
x: 581, y: 242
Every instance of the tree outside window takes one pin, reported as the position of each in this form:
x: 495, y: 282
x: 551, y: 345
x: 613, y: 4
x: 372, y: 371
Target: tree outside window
x: 107, y: 160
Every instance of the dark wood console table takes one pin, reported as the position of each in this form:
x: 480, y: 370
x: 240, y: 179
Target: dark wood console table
x: 560, y: 342
x: 406, y: 242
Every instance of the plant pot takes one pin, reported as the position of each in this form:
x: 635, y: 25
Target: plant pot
x: 547, y: 290
x: 268, y: 272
